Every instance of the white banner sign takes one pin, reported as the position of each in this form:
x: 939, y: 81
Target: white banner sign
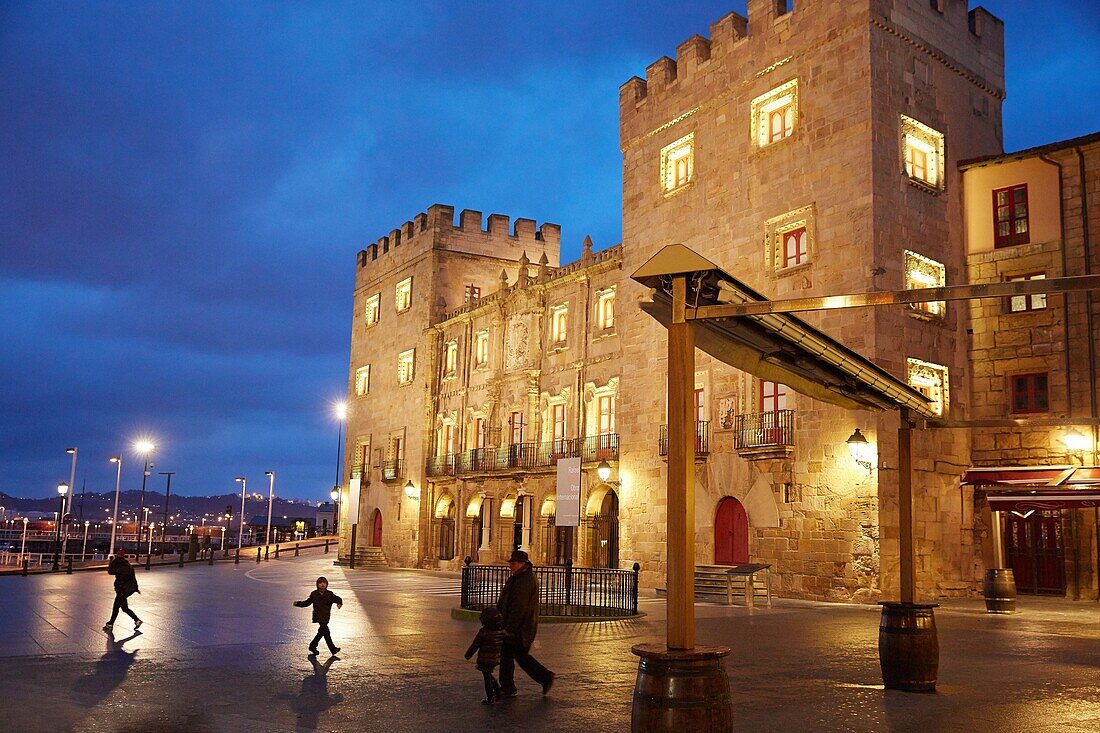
x: 353, y: 502
x: 568, y: 505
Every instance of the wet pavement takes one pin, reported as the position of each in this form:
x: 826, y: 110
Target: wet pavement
x: 222, y: 649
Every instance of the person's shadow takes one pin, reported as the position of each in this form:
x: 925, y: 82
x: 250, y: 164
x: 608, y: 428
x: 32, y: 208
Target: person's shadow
x: 109, y: 671
x: 314, y: 698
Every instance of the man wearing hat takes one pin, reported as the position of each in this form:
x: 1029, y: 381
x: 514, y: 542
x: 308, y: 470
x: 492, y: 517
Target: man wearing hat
x: 519, y: 605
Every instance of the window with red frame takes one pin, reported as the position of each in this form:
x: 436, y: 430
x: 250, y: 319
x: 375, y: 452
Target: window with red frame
x: 1021, y: 303
x: 794, y: 247
x: 1010, y: 222
x: 1029, y: 393
x: 517, y: 428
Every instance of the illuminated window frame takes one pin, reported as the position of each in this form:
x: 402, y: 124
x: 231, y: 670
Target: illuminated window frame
x: 406, y: 367
x: 678, y: 164
x: 931, y: 380
x: 605, y: 309
x: 783, y: 100
x: 1027, y: 303
x: 362, y: 380
x: 372, y: 309
x: 920, y: 144
x: 403, y: 295
x: 1010, y: 208
x: 776, y: 230
x: 559, y: 325
x: 1029, y: 393
x: 922, y: 272
x: 450, y: 359
x: 481, y: 349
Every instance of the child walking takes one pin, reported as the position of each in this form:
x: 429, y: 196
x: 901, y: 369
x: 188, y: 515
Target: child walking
x: 487, y: 644
x: 322, y: 600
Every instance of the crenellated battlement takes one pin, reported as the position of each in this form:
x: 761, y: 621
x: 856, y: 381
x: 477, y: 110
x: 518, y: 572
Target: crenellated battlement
x: 436, y: 228
x: 969, y: 42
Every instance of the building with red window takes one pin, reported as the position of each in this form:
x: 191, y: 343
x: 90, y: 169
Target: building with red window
x: 812, y: 151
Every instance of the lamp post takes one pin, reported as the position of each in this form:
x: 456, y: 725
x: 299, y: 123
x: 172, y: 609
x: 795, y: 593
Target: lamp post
x: 341, y: 411
x: 62, y: 491
x: 143, y: 448
x: 240, y: 531
x: 114, y: 517
x: 23, y: 549
x: 72, y: 479
x: 167, y: 493
x: 151, y: 526
x: 222, y: 548
x: 335, y: 494
x: 270, y: 501
x: 84, y: 548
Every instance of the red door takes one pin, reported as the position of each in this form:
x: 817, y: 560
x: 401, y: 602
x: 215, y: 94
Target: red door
x: 1035, y: 552
x: 731, y: 533
x: 376, y: 530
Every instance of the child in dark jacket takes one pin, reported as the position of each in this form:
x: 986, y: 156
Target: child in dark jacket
x: 322, y: 600
x: 487, y: 645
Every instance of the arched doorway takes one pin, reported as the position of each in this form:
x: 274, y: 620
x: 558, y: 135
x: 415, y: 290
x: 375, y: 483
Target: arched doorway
x: 604, y: 531
x: 445, y: 518
x: 731, y: 533
x: 376, y: 528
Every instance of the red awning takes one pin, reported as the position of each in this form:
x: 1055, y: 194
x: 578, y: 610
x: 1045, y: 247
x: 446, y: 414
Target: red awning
x: 1031, y: 488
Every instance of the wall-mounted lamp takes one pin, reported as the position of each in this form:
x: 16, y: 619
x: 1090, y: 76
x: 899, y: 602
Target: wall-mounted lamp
x: 603, y: 471
x: 860, y: 449
x: 411, y: 491
x: 1076, y: 442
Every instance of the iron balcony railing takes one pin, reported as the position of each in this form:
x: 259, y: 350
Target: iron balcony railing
x: 563, y: 590
x: 529, y: 455
x: 702, y: 439
x: 393, y: 470
x: 764, y: 429
x: 441, y: 465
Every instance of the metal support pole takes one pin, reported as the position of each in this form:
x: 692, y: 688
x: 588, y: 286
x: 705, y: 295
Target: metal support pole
x: 681, y: 474
x: 167, y: 493
x: 905, y: 508
x: 351, y: 555
x: 998, y: 540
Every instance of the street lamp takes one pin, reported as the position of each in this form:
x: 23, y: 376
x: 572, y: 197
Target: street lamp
x: 411, y: 491
x: 270, y: 501
x: 114, y: 517
x: 860, y: 449
x: 340, y: 409
x: 62, y: 491
x: 23, y: 549
x: 604, y: 471
x: 143, y: 448
x: 240, y: 531
x: 72, y: 479
x: 84, y: 549
x: 335, y: 494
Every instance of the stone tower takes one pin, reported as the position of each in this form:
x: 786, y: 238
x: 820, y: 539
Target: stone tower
x: 813, y: 151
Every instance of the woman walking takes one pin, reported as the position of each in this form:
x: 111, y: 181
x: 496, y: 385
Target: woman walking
x: 125, y: 586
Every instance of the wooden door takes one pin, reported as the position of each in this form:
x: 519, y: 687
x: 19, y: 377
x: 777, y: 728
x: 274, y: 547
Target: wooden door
x: 731, y: 533
x: 1034, y: 550
x: 376, y: 529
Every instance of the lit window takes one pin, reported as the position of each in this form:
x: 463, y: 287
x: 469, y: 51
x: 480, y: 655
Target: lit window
x: 481, y: 350
x: 921, y: 272
x: 678, y: 164
x: 479, y: 433
x: 450, y: 359
x: 606, y: 412
x: 1020, y: 303
x: 605, y: 310
x: 372, y: 310
x: 931, y: 381
x: 1030, y: 392
x: 922, y: 153
x: 557, y: 420
x: 700, y: 404
x: 775, y: 114
x: 404, y: 295
x: 406, y: 366
x: 790, y: 238
x: 447, y: 439
x: 473, y: 292
x: 362, y: 380
x: 1010, y: 221
x: 559, y: 323
x: 517, y: 425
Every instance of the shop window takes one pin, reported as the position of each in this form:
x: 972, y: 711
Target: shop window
x: 1010, y: 217
x: 678, y: 164
x: 1030, y: 392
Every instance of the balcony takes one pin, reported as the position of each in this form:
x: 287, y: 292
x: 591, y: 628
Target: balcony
x: 702, y: 440
x: 761, y: 435
x: 392, y: 470
x: 528, y: 456
x: 441, y: 465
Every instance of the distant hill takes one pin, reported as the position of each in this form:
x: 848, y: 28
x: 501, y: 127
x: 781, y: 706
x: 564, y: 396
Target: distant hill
x: 98, y: 506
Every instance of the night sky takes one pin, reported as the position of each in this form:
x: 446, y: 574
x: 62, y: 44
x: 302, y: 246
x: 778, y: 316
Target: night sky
x: 184, y: 187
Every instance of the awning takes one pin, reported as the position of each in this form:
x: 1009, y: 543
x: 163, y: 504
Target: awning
x: 777, y: 347
x: 1025, y: 489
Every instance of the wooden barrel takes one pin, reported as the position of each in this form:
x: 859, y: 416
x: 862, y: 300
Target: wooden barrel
x: 681, y: 691
x: 999, y: 589
x: 908, y: 647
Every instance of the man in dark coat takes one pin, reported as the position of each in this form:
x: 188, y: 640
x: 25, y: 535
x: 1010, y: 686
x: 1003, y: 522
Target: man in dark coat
x: 125, y: 586
x: 519, y: 605
x: 322, y: 600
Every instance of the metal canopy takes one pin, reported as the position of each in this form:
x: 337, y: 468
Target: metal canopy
x: 777, y: 347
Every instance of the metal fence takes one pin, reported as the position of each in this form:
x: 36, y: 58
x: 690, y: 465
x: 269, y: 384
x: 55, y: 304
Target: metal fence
x: 526, y: 455
x: 702, y: 439
x: 763, y: 429
x: 563, y: 590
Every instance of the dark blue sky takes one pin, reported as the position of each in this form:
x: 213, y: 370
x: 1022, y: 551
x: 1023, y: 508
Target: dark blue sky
x: 184, y: 186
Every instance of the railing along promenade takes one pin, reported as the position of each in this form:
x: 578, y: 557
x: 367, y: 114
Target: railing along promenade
x: 563, y: 590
